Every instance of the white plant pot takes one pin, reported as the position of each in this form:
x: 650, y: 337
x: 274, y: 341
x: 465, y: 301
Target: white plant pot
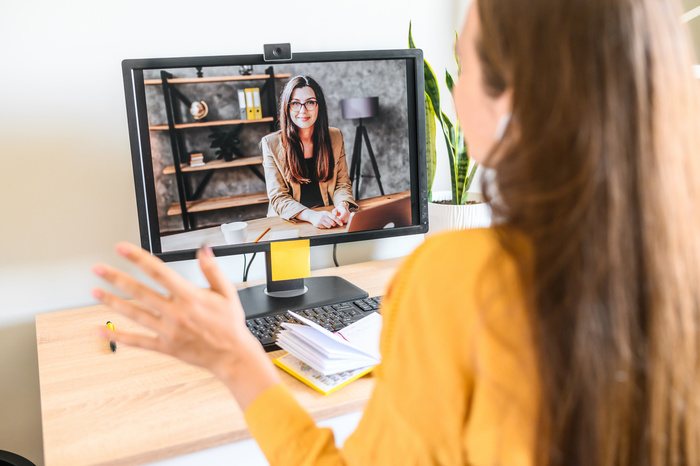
x: 442, y: 217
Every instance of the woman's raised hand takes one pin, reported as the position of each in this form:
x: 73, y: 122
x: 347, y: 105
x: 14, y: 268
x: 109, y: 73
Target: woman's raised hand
x: 203, y: 327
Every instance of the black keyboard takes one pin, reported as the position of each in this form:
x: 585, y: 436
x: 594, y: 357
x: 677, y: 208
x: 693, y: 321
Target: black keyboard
x: 332, y: 317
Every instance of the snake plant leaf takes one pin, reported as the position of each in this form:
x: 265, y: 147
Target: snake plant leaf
x: 448, y: 130
x: 462, y: 168
x: 430, y: 140
x: 411, y: 44
x: 430, y: 78
x: 470, y: 179
x: 449, y: 81
x: 459, y: 64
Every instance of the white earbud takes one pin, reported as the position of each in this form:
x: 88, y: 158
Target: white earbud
x: 502, y: 126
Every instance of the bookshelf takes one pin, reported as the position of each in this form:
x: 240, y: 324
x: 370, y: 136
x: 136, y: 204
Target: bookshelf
x: 190, y: 190
x: 216, y: 203
x: 216, y: 165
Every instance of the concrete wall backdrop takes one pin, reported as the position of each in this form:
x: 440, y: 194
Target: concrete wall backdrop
x: 66, y: 179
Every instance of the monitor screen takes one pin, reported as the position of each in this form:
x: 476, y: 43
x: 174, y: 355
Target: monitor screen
x: 236, y: 152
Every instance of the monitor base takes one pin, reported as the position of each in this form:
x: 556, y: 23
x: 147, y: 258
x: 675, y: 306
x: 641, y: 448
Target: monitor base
x: 321, y: 292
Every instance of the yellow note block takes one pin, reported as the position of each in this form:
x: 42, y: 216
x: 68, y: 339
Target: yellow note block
x: 290, y: 259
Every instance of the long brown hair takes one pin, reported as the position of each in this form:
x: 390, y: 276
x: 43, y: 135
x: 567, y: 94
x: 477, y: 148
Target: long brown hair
x: 599, y: 168
x: 294, y: 152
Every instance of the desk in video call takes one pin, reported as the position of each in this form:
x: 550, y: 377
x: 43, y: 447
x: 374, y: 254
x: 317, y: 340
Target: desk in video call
x: 279, y: 228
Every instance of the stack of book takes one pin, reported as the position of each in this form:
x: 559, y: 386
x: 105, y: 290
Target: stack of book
x: 249, y: 103
x: 196, y: 159
x: 327, y: 361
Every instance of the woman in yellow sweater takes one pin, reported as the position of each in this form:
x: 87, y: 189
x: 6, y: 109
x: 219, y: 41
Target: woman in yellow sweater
x: 570, y: 334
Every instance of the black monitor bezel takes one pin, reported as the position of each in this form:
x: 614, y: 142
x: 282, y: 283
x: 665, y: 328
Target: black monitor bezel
x: 140, y: 149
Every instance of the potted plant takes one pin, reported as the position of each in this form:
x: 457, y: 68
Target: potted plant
x: 459, y: 207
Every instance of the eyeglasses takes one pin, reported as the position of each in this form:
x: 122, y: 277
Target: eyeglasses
x: 309, y: 105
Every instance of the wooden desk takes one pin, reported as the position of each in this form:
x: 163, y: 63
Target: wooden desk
x: 135, y: 406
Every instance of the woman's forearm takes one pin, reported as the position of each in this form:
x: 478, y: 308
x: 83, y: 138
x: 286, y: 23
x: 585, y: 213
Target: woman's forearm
x: 248, y: 375
x: 304, y: 215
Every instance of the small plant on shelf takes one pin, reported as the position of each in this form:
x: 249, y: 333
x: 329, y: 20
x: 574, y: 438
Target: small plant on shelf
x: 226, y: 142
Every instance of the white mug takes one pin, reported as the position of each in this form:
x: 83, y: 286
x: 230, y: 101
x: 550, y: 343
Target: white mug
x: 234, y: 233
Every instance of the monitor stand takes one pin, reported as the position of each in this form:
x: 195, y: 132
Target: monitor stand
x: 302, y: 293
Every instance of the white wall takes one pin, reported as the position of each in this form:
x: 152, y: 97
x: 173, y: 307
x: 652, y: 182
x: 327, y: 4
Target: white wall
x: 65, y: 176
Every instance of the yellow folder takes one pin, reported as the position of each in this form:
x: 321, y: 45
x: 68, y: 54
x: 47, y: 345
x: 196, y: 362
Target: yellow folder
x: 249, y: 105
x: 256, y: 103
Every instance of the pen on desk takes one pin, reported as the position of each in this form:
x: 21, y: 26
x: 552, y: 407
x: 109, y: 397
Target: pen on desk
x: 262, y: 234
x: 112, y: 343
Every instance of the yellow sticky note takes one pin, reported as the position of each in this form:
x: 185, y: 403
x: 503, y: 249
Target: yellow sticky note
x: 290, y: 259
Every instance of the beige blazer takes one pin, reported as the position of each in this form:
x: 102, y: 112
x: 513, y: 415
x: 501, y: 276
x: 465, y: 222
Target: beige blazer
x: 285, y: 194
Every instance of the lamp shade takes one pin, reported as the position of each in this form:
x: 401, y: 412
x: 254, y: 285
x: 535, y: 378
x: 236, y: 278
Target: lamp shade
x: 359, y: 107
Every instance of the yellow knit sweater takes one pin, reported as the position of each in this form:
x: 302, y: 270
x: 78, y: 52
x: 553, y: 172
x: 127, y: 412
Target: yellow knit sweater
x: 457, y: 383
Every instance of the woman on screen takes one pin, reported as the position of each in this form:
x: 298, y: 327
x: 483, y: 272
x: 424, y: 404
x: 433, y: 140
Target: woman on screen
x: 569, y: 333
x: 304, y: 161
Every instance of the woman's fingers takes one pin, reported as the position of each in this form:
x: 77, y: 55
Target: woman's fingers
x: 129, y: 309
x: 154, y: 268
x: 131, y: 286
x: 330, y: 220
x: 216, y: 278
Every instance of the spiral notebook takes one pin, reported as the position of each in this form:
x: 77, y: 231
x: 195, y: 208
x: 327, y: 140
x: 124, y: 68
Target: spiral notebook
x: 325, y: 360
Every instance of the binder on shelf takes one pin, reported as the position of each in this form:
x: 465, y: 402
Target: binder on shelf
x: 242, y: 105
x: 249, y: 105
x: 256, y: 102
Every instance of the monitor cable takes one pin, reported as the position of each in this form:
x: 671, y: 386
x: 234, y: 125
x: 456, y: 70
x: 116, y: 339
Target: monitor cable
x: 246, y: 269
x: 335, y: 259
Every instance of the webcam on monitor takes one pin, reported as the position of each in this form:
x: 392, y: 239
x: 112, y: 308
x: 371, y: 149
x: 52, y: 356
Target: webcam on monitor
x: 277, y: 52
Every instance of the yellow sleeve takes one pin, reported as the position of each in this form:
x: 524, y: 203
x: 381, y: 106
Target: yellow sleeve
x: 400, y: 423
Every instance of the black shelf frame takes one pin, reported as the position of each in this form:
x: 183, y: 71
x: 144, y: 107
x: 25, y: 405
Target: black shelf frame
x: 173, y: 97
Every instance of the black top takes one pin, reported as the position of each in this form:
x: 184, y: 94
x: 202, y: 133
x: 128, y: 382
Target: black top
x: 311, y: 192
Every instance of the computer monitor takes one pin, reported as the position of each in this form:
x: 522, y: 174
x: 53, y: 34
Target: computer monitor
x: 238, y: 152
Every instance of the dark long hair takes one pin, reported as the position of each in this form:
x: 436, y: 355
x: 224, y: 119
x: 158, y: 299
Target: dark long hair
x: 294, y: 153
x: 600, y: 169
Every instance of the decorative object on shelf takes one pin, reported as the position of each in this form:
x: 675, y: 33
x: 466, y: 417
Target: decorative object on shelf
x: 462, y: 169
x: 360, y: 108
x: 196, y: 159
x: 226, y: 142
x: 245, y: 70
x: 199, y: 110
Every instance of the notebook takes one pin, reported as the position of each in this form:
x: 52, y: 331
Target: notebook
x: 325, y: 384
x: 327, y: 360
